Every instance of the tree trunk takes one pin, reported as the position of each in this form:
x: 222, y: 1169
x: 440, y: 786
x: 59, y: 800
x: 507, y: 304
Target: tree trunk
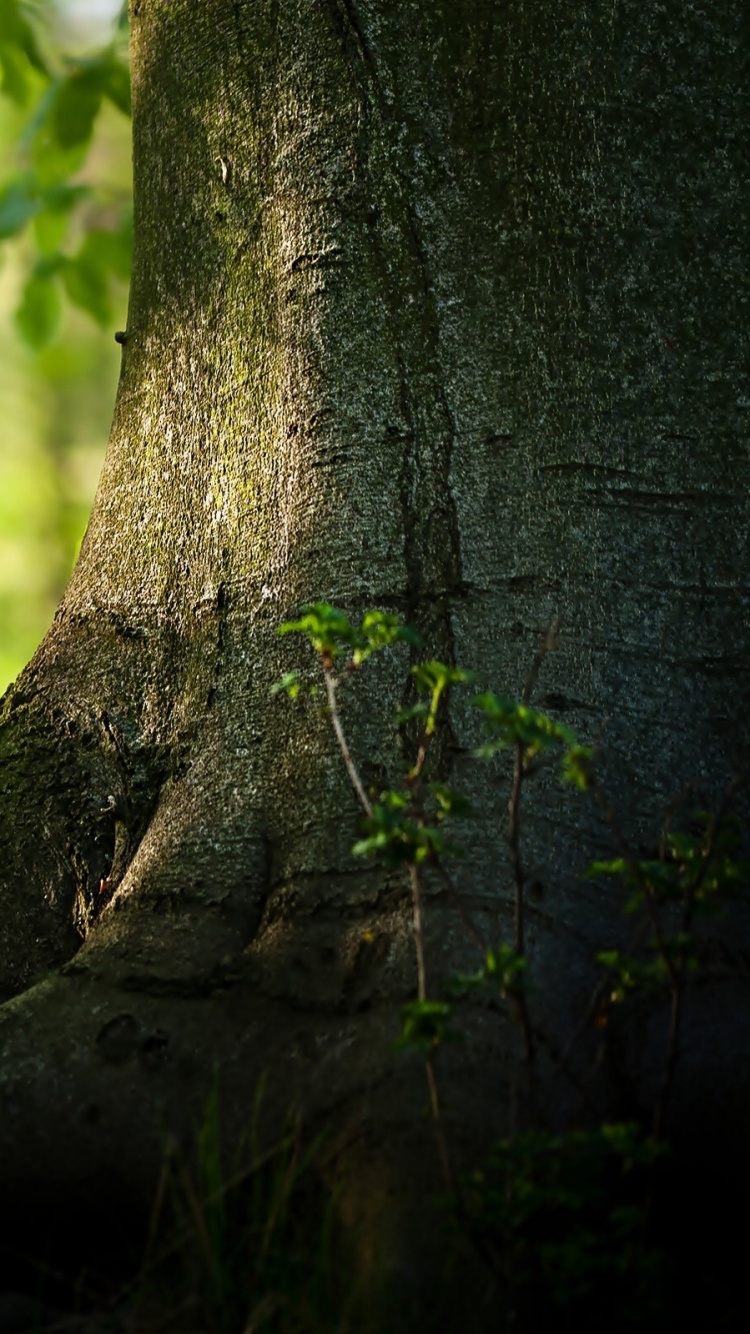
x: 437, y: 308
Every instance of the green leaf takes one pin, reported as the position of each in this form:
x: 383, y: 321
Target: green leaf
x: 18, y: 204
x: 39, y: 312
x: 331, y: 632
x: 11, y: 23
x: 397, y: 837
x: 694, y: 868
x: 86, y: 275
x: 116, y: 84
x: 632, y: 974
x: 503, y: 968
x: 52, y: 221
x: 86, y: 285
x: 684, y: 847
x: 54, y: 165
x: 509, y: 723
x: 50, y: 230
x: 449, y: 802
x: 628, y: 1141
x: 616, y: 867
x: 75, y: 106
x: 419, y: 710
x: 424, y: 1026
x: 291, y: 683
x: 15, y: 83
x: 328, y: 629
x: 16, y: 31
x: 506, y: 967
x: 110, y: 250
x: 433, y: 678
x: 681, y: 951
x: 460, y: 983
x: 577, y: 767
x: 378, y: 630
x: 433, y: 675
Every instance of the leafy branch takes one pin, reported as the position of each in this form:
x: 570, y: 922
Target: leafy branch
x: 539, y: 1195
x: 74, y: 251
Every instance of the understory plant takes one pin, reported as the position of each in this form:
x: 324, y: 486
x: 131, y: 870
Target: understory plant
x: 570, y: 1215
x: 240, y: 1241
x: 558, y: 1214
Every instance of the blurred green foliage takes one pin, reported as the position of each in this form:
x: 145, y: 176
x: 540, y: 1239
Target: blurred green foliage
x: 65, y: 245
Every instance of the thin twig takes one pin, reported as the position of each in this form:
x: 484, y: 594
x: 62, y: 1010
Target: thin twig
x: 677, y: 972
x: 562, y: 1059
x: 524, y: 1023
x: 515, y: 844
x: 670, y: 1063
x: 415, y: 773
x: 634, y: 867
x: 519, y: 877
x: 429, y: 1066
x: 351, y: 769
x: 418, y: 940
x: 525, y: 768
x: 437, y: 1121
x: 548, y: 642
x: 413, y: 779
x: 714, y: 826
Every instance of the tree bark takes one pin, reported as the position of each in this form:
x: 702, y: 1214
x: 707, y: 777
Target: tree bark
x: 436, y: 308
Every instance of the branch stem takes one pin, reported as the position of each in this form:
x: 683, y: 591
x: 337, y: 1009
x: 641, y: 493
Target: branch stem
x: 519, y: 876
x: 351, y: 768
x: 673, y: 1047
x: 418, y: 938
x: 437, y: 1121
x: 515, y: 845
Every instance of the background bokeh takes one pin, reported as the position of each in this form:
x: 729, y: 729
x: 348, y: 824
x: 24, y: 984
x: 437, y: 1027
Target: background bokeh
x: 55, y: 401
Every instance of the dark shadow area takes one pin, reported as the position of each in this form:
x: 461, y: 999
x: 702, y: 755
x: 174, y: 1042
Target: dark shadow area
x: 268, y: 1251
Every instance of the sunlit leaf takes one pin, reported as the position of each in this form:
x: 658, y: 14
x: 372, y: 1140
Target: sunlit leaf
x: 292, y: 684
x: 396, y: 836
x: 510, y: 723
x: 331, y: 632
x: 434, y: 675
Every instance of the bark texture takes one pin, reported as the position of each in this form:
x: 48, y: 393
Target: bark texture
x: 439, y: 308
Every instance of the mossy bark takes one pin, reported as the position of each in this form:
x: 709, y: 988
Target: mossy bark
x: 438, y: 308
